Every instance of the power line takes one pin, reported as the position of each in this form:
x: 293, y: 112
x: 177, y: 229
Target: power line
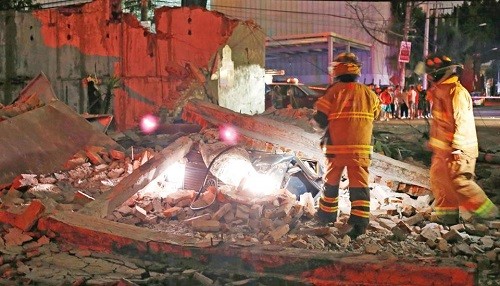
x: 291, y: 11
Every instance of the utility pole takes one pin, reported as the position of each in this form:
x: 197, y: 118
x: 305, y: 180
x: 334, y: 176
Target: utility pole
x: 435, y: 27
x: 406, y: 29
x: 426, y: 42
x: 144, y: 10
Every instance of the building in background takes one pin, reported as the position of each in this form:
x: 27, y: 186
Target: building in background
x: 304, y: 36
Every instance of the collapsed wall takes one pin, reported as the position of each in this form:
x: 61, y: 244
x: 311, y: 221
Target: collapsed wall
x: 155, y: 69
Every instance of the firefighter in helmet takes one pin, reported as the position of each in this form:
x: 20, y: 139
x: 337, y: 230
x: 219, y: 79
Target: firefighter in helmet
x: 346, y: 112
x: 453, y: 141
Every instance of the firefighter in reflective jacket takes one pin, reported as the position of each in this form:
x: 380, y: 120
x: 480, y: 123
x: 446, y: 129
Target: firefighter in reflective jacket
x: 453, y: 141
x: 347, y: 111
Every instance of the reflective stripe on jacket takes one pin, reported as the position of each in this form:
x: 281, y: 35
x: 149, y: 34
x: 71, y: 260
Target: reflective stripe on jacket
x: 453, y: 126
x: 351, y: 108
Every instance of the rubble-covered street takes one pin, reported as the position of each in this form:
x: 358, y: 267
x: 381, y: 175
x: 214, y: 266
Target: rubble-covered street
x: 151, y: 157
x: 48, y: 219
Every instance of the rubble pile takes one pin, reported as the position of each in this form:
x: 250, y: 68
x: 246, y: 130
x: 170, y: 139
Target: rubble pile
x: 399, y: 226
x: 406, y: 142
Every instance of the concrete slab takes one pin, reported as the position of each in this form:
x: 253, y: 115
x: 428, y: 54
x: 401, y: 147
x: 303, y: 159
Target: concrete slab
x: 311, y: 267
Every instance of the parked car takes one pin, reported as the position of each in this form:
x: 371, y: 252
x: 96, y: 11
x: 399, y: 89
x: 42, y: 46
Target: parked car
x: 297, y: 95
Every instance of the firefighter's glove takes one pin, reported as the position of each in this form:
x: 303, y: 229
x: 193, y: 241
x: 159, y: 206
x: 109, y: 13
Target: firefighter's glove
x: 456, y: 154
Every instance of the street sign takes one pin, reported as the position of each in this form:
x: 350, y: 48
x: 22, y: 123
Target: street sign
x: 404, y: 52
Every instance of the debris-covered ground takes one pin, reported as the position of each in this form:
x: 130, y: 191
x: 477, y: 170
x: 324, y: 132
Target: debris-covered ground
x: 399, y: 225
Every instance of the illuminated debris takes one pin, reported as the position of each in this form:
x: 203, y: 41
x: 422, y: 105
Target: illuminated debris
x: 50, y: 132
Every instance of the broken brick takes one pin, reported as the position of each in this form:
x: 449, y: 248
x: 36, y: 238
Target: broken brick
x: 413, y: 220
x: 180, y: 195
x: 171, y: 212
x: 222, y: 211
x: 16, y: 236
x: 24, y: 180
x: 116, y: 155
x: 279, y: 232
x: 94, y: 157
x: 140, y: 212
x: 30, y: 216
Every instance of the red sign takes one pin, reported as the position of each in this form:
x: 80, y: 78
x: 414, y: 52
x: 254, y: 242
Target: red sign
x: 404, y: 52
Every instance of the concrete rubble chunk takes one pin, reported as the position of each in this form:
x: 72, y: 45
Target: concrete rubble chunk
x: 430, y: 232
x: 372, y: 248
x: 222, y: 211
x: 202, y: 279
x: 181, y: 195
x: 24, y: 180
x: 443, y: 245
x: 16, y: 236
x: 140, y: 212
x: 206, y: 225
x: 44, y: 128
x: 452, y: 235
x: 242, y: 212
x: 413, y: 220
x: 279, y: 232
x: 190, y: 221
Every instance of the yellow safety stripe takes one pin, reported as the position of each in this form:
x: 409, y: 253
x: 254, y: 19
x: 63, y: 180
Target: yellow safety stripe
x: 348, y: 149
x: 439, y: 115
x: 328, y: 209
x: 360, y: 204
x: 350, y: 114
x: 330, y: 200
x: 446, y: 210
x: 485, y: 208
x: 360, y: 213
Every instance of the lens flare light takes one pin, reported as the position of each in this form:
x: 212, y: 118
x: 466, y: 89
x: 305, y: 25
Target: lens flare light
x: 261, y: 184
x: 228, y: 134
x: 149, y: 123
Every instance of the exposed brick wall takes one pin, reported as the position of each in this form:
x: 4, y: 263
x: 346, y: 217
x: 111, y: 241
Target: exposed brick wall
x: 71, y: 43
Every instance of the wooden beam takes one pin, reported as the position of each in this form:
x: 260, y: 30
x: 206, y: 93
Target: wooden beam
x: 138, y: 179
x: 295, y: 138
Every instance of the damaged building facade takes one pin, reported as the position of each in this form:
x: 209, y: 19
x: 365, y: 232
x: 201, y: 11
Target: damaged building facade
x: 155, y: 69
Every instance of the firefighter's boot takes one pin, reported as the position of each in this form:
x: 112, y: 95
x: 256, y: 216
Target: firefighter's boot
x: 328, y: 204
x: 360, y: 212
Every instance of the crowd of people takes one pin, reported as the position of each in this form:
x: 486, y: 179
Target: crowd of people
x: 403, y: 103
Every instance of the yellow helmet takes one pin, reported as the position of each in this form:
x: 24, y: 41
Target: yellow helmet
x: 437, y: 66
x: 346, y: 63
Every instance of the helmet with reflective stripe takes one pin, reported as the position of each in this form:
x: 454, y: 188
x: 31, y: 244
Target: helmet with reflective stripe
x: 346, y: 63
x: 437, y: 66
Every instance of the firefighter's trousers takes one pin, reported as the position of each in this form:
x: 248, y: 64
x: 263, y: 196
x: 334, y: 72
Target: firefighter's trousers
x: 453, y: 187
x: 359, y: 192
